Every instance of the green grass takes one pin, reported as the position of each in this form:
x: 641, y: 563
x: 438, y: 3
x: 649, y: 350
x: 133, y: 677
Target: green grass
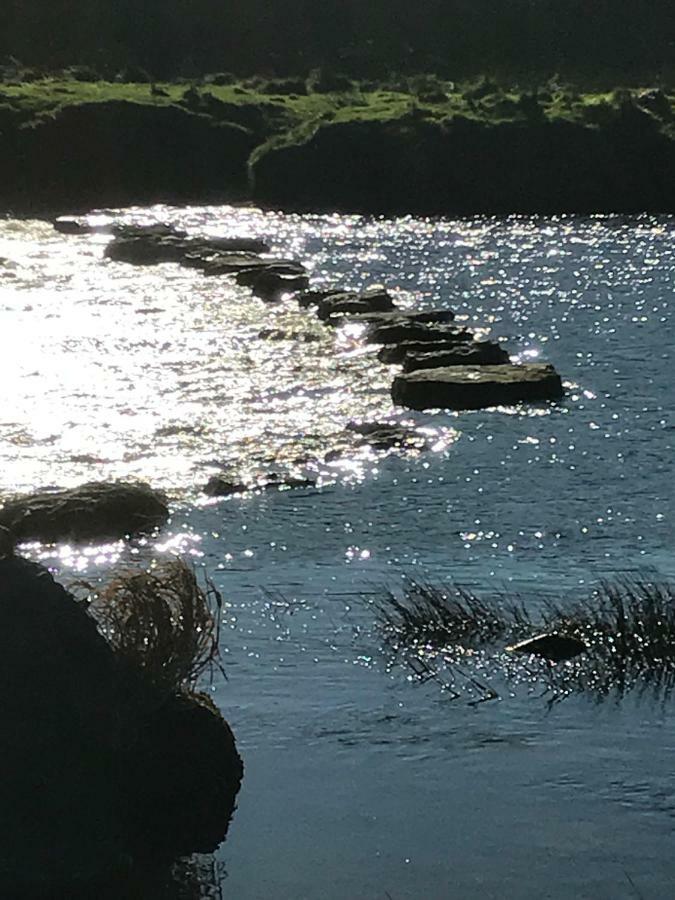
x: 48, y: 96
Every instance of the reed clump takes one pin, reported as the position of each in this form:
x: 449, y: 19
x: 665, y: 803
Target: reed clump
x: 627, y: 627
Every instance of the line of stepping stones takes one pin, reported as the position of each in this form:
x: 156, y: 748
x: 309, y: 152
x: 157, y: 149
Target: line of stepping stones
x: 443, y: 364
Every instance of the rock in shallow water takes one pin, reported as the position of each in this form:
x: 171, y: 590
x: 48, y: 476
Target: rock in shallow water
x: 476, y: 387
x: 553, y: 647
x: 476, y: 353
x: 94, y: 511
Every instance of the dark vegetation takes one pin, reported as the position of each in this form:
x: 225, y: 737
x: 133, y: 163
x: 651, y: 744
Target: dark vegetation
x: 448, y: 634
x: 460, y: 106
x: 165, y: 39
x: 427, y: 146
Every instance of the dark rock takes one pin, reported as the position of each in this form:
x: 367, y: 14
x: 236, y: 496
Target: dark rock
x: 225, y: 263
x: 392, y: 354
x: 656, y: 102
x: 152, y: 247
x: 167, y: 814
x: 117, y: 229
x: 348, y: 303
x: 59, y: 806
x: 554, y: 647
x: 476, y: 387
x: 398, y: 316
x: 218, y: 486
x: 100, y: 770
x: 94, y: 511
x: 403, y: 331
x: 314, y: 297
x: 223, y: 487
x: 387, y: 435
x: 478, y: 353
x: 272, y: 281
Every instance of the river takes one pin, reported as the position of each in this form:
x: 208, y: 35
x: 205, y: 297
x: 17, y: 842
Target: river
x: 361, y: 782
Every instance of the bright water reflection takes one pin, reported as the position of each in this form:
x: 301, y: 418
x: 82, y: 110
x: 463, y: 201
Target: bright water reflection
x: 359, y: 784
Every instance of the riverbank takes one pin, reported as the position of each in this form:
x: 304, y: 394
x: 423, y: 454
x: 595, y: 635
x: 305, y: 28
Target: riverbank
x: 427, y: 147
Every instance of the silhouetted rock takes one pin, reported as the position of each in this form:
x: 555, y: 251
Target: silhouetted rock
x: 100, y: 769
x: 477, y: 353
x: 93, y: 511
x: 476, y: 387
x: 415, y: 164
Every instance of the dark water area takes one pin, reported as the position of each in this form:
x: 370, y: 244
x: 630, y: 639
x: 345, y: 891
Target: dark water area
x: 361, y: 782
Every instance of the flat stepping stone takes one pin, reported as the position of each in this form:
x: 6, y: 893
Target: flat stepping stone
x: 402, y: 330
x: 392, y: 354
x: 400, y: 316
x: 477, y: 353
x: 477, y: 387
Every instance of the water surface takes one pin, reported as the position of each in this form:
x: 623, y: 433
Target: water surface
x: 360, y: 783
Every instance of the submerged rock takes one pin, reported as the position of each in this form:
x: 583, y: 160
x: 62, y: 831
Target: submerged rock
x: 93, y: 511
x: 553, y: 646
x: 477, y: 353
x: 476, y: 387
x: 219, y: 486
x: 387, y: 435
x: 279, y: 334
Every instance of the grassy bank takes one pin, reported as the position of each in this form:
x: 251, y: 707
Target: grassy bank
x: 240, y: 134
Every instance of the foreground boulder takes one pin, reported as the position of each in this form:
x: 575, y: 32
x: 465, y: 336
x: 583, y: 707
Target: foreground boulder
x: 94, y: 511
x: 103, y: 766
x: 476, y: 353
x: 476, y: 387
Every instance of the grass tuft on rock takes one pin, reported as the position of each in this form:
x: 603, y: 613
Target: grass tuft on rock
x: 163, y: 623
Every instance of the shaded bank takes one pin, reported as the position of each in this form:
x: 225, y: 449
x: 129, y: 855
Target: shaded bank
x: 110, y: 758
x: 359, y: 148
